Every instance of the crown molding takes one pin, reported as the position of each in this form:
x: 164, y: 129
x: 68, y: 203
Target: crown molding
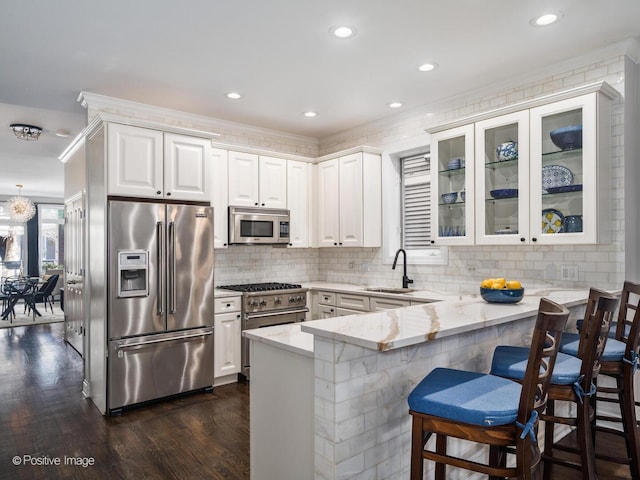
x: 215, y: 127
x: 601, y: 87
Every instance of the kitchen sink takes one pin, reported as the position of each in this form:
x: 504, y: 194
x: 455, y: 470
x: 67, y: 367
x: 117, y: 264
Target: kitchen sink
x: 390, y: 290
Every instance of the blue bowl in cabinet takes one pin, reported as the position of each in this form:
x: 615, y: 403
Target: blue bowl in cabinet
x: 449, y: 197
x: 567, y: 138
x: 507, y: 151
x: 501, y: 295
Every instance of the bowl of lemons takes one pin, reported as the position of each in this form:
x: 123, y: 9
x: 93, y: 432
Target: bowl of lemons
x: 499, y: 290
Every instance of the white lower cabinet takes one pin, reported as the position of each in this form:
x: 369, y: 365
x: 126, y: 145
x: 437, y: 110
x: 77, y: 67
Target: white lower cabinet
x: 339, y: 304
x: 227, y: 331
x: 377, y: 303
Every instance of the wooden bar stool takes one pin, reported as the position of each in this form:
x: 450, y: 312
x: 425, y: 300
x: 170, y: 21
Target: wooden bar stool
x: 621, y: 363
x: 487, y: 409
x: 572, y: 381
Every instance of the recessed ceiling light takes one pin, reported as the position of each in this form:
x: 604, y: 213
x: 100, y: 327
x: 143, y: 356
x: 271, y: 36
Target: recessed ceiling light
x: 544, y: 20
x: 427, y: 67
x: 394, y: 105
x: 234, y: 95
x: 310, y: 114
x: 343, y: 31
x: 62, y: 133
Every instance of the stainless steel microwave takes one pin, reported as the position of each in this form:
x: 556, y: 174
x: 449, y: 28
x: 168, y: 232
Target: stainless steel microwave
x: 258, y: 226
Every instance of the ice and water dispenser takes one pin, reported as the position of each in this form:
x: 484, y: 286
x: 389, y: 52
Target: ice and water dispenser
x: 133, y: 273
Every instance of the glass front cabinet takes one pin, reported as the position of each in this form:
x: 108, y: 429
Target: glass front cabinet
x: 541, y: 176
x: 502, y: 179
x: 452, y: 188
x: 570, y: 171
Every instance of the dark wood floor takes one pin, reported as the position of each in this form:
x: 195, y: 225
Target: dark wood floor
x: 198, y: 436
x: 43, y: 414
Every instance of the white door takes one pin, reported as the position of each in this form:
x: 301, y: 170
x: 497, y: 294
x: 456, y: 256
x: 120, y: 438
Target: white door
x: 134, y: 161
x: 328, y: 208
x: 227, y: 328
x: 243, y: 179
x: 219, y: 197
x: 298, y: 192
x: 351, y: 208
x: 187, y: 168
x: 272, y: 175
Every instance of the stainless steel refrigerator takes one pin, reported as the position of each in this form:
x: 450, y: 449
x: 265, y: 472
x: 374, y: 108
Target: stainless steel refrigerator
x: 160, y: 310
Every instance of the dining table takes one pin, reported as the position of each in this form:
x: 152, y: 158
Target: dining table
x: 22, y: 289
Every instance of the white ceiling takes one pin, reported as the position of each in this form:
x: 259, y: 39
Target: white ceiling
x: 186, y: 55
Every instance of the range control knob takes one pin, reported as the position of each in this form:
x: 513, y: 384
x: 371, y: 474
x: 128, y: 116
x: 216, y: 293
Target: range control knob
x: 277, y: 300
x: 263, y: 303
x: 253, y: 303
x: 292, y: 299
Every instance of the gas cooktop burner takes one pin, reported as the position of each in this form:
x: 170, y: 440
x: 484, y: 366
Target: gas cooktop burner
x: 260, y: 287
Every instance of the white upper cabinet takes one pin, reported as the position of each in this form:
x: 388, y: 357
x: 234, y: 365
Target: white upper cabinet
x: 152, y: 164
x: 257, y: 181
x: 328, y: 206
x: 502, y: 179
x: 298, y: 194
x: 187, y: 167
x: 541, y: 175
x: 243, y: 179
x: 273, y: 182
x: 348, y: 214
x: 452, y: 187
x: 135, y: 167
x: 570, y: 172
x: 219, y: 197
x: 351, y: 201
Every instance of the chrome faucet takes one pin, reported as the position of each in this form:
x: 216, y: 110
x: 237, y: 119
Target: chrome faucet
x: 405, y: 280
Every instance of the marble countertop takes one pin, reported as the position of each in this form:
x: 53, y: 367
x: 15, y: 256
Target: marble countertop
x: 402, y: 327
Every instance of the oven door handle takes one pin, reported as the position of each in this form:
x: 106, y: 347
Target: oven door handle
x: 274, y: 313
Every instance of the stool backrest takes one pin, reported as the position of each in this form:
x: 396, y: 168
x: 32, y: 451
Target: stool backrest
x: 599, y: 315
x: 550, y: 323
x: 628, y: 323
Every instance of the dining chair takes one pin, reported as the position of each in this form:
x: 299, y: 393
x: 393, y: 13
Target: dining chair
x: 44, y: 294
x: 620, y: 361
x: 572, y: 382
x: 487, y: 409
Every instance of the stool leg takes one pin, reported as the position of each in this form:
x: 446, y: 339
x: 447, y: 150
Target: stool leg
x: 629, y: 420
x: 417, y: 445
x: 585, y: 441
x: 497, y: 458
x: 441, y: 448
x: 548, y: 440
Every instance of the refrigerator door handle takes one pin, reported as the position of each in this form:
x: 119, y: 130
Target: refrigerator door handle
x: 171, y: 308
x: 126, y: 346
x: 160, y: 267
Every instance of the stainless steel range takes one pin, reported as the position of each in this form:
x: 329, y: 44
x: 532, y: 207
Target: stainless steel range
x: 267, y: 304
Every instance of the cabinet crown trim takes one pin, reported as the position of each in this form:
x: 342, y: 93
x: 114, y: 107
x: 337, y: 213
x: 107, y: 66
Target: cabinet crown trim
x: 601, y: 87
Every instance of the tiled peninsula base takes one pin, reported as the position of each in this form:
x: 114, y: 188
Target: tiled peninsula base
x: 362, y: 425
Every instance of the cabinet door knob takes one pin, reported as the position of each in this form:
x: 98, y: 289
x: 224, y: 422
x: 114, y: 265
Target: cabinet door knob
x: 158, y: 192
x: 335, y: 243
x: 256, y: 204
x: 522, y: 239
x: 168, y: 194
x: 534, y: 239
x: 433, y: 241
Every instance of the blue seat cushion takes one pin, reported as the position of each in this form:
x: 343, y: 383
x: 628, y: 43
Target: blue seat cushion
x: 469, y: 397
x: 613, y: 350
x: 511, y: 362
x: 612, y: 332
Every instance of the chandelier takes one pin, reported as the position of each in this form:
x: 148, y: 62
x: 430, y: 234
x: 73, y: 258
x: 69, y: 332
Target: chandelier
x: 26, y: 132
x: 20, y: 208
